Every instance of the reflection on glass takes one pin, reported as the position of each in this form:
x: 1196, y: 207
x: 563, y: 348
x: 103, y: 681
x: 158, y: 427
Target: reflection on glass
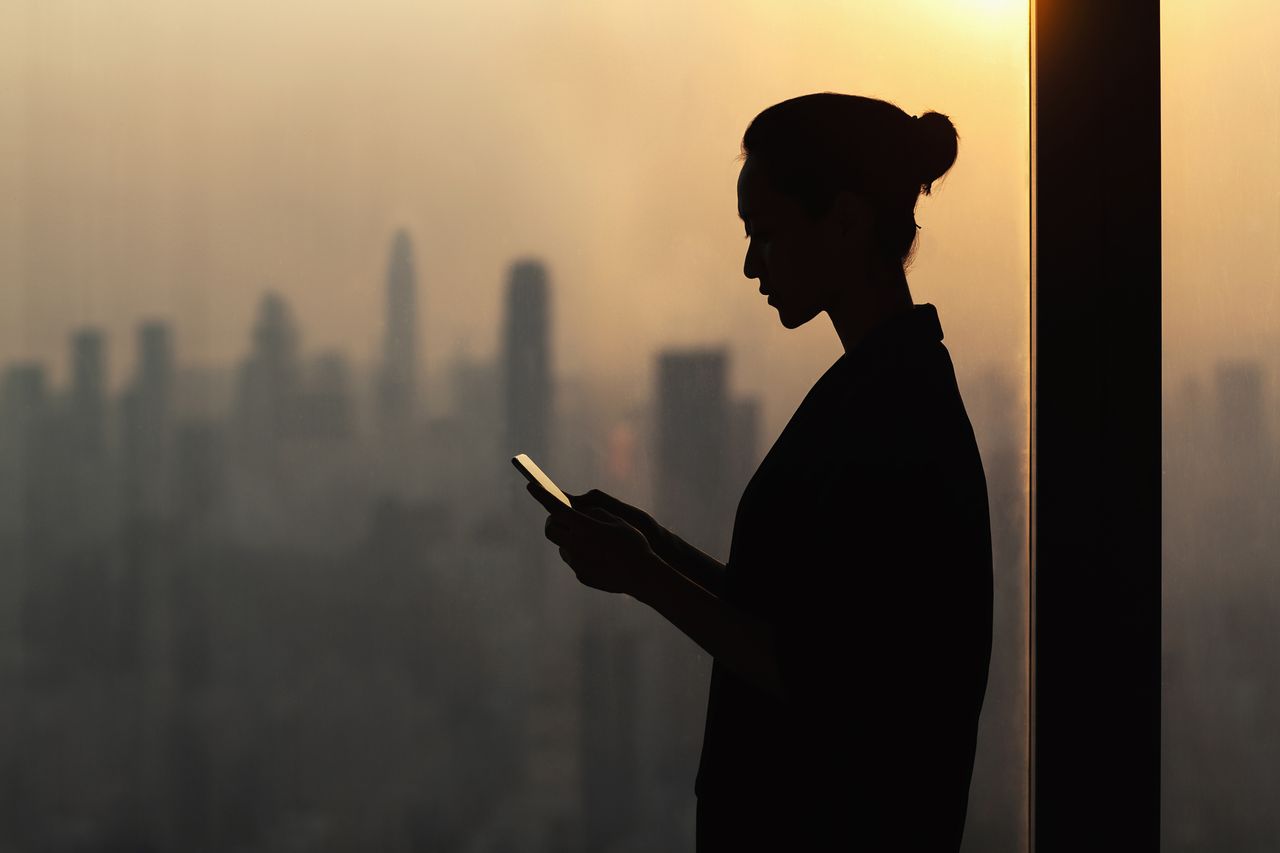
x: 284, y: 286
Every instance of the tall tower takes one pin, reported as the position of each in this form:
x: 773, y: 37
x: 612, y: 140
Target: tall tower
x: 269, y: 378
x: 553, y: 744
x: 694, y: 445
x: 88, y: 408
x: 24, y: 414
x: 398, y: 377
x: 744, y: 436
x: 155, y: 359
x: 694, y: 440
x: 91, y: 506
x: 527, y: 364
x: 148, y: 414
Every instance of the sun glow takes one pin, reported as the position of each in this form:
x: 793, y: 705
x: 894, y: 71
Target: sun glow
x: 1003, y: 9
x: 987, y: 16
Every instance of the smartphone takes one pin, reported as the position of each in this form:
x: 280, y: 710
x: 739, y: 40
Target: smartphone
x: 534, y: 474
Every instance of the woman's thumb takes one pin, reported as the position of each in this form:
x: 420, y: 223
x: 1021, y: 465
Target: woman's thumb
x: 595, y: 497
x: 599, y: 513
x: 604, y: 498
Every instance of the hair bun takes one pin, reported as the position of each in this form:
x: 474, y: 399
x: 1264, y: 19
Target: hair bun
x: 935, y: 147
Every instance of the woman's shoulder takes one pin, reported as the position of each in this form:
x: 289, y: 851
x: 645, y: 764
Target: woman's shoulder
x: 902, y: 400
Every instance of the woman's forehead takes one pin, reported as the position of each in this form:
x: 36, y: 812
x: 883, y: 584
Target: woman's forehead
x: 753, y: 190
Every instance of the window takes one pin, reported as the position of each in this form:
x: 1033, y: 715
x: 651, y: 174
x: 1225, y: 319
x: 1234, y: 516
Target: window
x: 284, y: 284
x: 1221, y: 695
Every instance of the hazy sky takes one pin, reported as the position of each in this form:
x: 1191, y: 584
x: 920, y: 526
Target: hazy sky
x: 1220, y: 158
x: 173, y: 160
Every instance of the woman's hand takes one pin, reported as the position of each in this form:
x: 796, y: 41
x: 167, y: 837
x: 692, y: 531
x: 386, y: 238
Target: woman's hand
x: 605, y: 552
x: 636, y: 517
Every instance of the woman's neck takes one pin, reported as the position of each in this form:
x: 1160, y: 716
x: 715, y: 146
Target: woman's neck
x: 866, y: 307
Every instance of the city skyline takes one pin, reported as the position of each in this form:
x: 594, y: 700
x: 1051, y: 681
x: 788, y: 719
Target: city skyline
x: 156, y: 177
x: 284, y: 282
x: 180, y: 594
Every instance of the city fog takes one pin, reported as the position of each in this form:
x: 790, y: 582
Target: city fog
x: 1221, y: 328
x: 283, y: 287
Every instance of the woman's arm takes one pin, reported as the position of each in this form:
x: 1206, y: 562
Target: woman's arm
x: 698, y: 566
x: 729, y: 634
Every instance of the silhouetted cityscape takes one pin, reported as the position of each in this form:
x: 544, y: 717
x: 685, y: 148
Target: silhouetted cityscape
x: 279, y: 608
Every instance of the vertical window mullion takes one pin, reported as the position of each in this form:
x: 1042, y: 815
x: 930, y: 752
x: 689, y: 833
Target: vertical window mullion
x: 1096, y: 426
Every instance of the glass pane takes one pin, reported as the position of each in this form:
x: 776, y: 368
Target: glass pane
x: 1221, y: 215
x: 283, y: 287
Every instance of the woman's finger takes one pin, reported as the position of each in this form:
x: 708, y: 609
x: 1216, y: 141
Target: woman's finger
x: 548, y: 501
x: 555, y: 529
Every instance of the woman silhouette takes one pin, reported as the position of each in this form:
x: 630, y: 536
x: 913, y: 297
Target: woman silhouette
x: 851, y: 626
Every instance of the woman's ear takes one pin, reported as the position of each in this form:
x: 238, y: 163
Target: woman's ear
x: 852, y: 216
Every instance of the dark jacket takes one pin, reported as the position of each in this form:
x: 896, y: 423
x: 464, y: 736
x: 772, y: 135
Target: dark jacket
x: 864, y: 538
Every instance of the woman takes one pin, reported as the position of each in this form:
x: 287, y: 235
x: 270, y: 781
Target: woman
x: 851, y: 626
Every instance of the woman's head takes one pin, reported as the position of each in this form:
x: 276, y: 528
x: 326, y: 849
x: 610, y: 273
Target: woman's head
x: 828, y: 194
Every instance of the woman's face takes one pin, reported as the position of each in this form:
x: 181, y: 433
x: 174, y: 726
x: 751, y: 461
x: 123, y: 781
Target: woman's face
x: 803, y: 264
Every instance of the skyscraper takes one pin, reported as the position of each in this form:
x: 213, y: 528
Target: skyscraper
x: 23, y: 391
x: 88, y: 404
x: 744, y: 431
x: 526, y: 380
x: 24, y: 413
x: 399, y: 372
x: 694, y: 443
x: 147, y: 416
x: 24, y: 408
x: 155, y: 361
x: 553, y: 745
x: 693, y: 448
x: 91, y: 507
x: 269, y: 378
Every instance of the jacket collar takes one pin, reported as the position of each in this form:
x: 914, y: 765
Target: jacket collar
x: 918, y: 325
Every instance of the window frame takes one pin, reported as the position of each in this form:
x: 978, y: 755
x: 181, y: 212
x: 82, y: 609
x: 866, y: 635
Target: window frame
x: 1095, y: 532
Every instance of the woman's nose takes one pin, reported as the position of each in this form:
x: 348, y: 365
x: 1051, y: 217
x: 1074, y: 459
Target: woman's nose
x: 750, y: 268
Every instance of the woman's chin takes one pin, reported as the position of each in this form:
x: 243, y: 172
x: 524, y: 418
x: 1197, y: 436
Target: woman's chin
x: 790, y: 320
